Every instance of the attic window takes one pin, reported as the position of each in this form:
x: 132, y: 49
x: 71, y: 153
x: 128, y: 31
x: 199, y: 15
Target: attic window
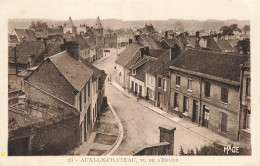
x: 69, y: 74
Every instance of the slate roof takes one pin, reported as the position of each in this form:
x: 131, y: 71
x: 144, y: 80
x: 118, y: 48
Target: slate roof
x: 98, y: 24
x: 216, y: 64
x: 211, y: 43
x: 139, y: 63
x: 149, y: 41
x: 127, y: 54
x: 25, y: 49
x: 76, y: 72
x: 90, y: 42
x: 69, y: 23
x: 140, y: 75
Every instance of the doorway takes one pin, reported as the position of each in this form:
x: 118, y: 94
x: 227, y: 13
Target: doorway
x: 195, y: 111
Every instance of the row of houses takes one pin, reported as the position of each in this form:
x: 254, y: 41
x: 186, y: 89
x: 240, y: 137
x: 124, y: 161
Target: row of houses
x: 211, y: 89
x: 63, y: 100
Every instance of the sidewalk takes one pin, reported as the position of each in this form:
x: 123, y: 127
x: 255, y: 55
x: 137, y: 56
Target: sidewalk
x: 104, y: 138
x: 201, y: 131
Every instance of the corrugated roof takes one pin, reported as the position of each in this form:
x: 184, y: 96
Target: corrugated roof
x: 76, y: 72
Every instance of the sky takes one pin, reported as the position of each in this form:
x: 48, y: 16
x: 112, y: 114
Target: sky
x: 130, y: 9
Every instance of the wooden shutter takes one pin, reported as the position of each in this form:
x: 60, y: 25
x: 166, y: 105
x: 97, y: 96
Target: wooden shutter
x: 224, y: 95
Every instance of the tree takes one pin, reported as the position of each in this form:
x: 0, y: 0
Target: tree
x: 38, y: 26
x: 178, y: 27
x: 244, y: 46
x: 246, y: 28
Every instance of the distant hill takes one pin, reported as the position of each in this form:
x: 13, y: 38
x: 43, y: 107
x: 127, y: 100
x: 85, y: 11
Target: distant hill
x: 117, y: 23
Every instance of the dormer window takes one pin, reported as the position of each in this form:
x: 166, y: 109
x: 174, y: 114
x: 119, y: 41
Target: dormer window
x: 134, y: 72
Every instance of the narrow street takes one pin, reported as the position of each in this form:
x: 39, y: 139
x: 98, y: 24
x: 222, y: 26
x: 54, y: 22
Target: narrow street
x: 141, y: 125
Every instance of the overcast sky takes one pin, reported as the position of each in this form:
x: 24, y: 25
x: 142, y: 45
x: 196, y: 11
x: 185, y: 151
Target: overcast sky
x: 130, y: 9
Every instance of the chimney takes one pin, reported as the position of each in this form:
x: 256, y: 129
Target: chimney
x: 137, y: 37
x: 142, y: 52
x: 73, y: 49
x: 166, y: 35
x: 130, y: 41
x: 146, y: 49
x: 197, y: 34
x: 174, y: 51
x: 31, y: 60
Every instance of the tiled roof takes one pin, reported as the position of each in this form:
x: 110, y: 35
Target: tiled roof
x: 127, y: 54
x: 216, y: 64
x: 211, y: 43
x: 247, y: 64
x: 149, y: 41
x: 140, y: 75
x: 192, y: 41
x: 27, y: 33
x: 233, y: 42
x: 161, y: 65
x: 155, y: 52
x: 53, y: 49
x: 224, y: 44
x: 25, y: 49
x: 139, y: 63
x: 82, y: 42
x: 76, y: 72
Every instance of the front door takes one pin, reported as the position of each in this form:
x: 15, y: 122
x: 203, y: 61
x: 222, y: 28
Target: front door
x: 194, y: 111
x: 205, y: 121
x: 159, y: 99
x: 140, y: 90
x: 147, y: 94
x: 136, y: 86
x: 85, y: 128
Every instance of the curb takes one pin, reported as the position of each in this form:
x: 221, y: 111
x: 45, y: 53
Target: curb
x: 165, y: 116
x: 119, y: 138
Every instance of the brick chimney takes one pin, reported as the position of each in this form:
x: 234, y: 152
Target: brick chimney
x: 142, y: 52
x: 31, y: 60
x: 73, y: 49
x: 174, y: 51
x: 166, y: 35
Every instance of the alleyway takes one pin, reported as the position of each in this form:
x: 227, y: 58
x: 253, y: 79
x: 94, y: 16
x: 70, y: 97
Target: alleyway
x: 141, y: 124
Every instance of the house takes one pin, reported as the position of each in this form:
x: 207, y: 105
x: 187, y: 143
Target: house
x: 23, y: 35
x: 149, y: 29
x: 26, y: 54
x: 157, y: 79
x: 110, y: 40
x: 123, y: 63
x: 204, y: 88
x: 66, y: 78
x: 12, y: 40
x: 39, y: 128
x: 69, y: 27
x: 209, y: 43
x: 245, y: 101
x: 92, y: 49
x: 137, y: 71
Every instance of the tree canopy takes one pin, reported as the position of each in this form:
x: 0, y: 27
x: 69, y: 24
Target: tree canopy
x: 244, y: 46
x: 246, y: 28
x: 38, y: 26
x: 228, y: 30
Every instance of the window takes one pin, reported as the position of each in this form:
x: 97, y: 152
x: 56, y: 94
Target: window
x: 185, y: 104
x: 85, y: 94
x: 80, y: 102
x: 247, y: 115
x: 176, y: 101
x: 207, y: 89
x: 159, y: 82
x: 189, y: 84
x: 89, y: 89
x: 178, y: 80
x: 164, y: 84
x: 224, y: 95
x: 223, y: 122
x: 248, y: 86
